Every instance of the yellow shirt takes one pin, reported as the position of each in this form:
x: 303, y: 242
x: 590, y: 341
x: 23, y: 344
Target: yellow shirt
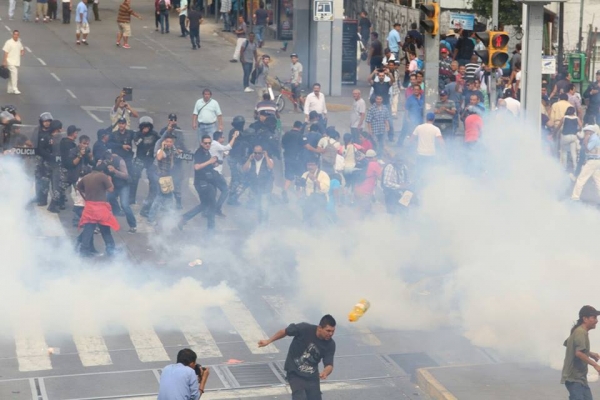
x: 324, y: 183
x: 559, y: 109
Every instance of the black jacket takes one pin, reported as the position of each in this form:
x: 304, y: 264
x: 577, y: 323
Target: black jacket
x: 118, y: 140
x: 145, y: 145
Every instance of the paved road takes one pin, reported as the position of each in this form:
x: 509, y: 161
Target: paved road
x: 77, y: 84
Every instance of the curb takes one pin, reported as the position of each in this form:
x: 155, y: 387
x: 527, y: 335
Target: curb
x: 431, y: 386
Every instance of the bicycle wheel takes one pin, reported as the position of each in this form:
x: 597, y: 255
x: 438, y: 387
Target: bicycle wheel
x: 280, y: 103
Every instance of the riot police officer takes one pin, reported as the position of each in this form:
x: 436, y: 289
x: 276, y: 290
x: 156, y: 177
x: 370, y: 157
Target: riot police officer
x: 237, y: 157
x: 145, y: 140
x: 43, y: 170
x: 54, y: 165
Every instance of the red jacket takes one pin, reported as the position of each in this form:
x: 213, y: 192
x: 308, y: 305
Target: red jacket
x: 98, y: 212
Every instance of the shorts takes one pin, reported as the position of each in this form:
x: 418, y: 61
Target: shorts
x: 292, y: 169
x: 125, y: 28
x: 82, y: 28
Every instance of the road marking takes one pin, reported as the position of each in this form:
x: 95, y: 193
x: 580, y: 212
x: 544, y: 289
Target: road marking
x: 7, y: 28
x: 28, y: 49
x: 91, y: 109
x: 137, y: 67
x: 32, y: 353
x: 366, y: 336
x: 49, y: 223
x: 200, y: 338
x: 247, y: 327
x: 41, y: 61
x: 43, y: 389
x: 148, y: 346
x: 55, y: 76
x: 71, y: 93
x: 92, y: 350
x: 288, y: 313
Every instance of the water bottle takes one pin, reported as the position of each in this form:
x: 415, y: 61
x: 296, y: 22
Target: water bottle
x: 359, y: 310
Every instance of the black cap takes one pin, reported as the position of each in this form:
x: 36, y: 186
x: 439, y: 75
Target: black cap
x: 72, y: 129
x: 172, y: 117
x: 298, y: 124
x: 55, y: 125
x: 588, y: 311
x: 121, y: 121
x: 443, y: 93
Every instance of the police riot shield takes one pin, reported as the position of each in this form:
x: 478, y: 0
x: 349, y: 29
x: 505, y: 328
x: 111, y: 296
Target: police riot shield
x: 182, y: 138
x: 20, y: 140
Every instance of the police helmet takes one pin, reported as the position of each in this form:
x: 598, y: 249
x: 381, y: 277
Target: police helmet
x: 146, y: 121
x: 46, y: 116
x: 238, y: 120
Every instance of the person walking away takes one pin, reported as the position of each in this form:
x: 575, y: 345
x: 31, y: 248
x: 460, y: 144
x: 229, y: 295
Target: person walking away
x: 163, y: 163
x: 96, y: 212
x: 96, y: 11
x: 578, y: 355
x: 192, y: 23
x: 206, y: 114
x: 204, y: 178
x: 248, y: 58
x: 364, y: 190
x: 124, y: 23
x: 429, y: 139
x: 218, y: 149
x: 241, y: 31
x: 395, y: 181
x: 296, y: 79
x: 66, y: 11
x: 569, y: 128
x: 183, y: 10
x: 261, y: 20
x: 81, y: 19
x: 259, y: 171
x: 121, y: 178
x: 13, y: 51
x: 162, y: 8
x: 591, y: 142
x: 41, y: 10
x: 311, y: 345
x: 26, y: 10
x: 225, y: 15
x: 364, y: 28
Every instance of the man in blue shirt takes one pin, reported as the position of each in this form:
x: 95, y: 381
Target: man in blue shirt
x: 394, y: 40
x: 81, y: 20
x: 183, y: 381
x: 591, y: 142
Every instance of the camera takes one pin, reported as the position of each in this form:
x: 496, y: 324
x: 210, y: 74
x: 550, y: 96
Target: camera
x: 199, y: 369
x: 300, y: 181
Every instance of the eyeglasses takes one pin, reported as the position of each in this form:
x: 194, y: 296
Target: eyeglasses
x: 258, y: 153
x: 206, y: 142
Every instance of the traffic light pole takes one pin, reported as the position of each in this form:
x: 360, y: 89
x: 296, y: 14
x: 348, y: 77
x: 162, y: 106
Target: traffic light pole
x: 531, y: 62
x: 493, y: 93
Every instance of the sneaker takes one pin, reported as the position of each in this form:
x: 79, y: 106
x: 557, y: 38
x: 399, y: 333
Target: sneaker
x: 85, y: 42
x: 233, y: 60
x: 132, y: 230
x: 16, y: 92
x: 126, y: 46
x: 118, y: 44
x: 78, y: 43
x: 248, y: 90
x: 37, y: 20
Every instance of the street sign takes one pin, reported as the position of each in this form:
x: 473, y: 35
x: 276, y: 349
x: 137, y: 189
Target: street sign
x: 549, y: 65
x: 464, y: 21
x: 323, y: 10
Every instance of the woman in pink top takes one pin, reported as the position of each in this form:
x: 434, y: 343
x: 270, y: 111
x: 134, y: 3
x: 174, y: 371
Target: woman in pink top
x: 364, y: 190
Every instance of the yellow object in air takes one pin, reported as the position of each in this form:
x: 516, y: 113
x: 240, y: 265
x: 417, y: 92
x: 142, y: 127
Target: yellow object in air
x: 359, y: 310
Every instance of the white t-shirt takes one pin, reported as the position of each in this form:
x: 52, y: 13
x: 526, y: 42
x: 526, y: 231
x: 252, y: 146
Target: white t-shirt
x: 14, y: 50
x: 513, y: 105
x: 359, y: 107
x: 427, y: 135
x: 218, y: 150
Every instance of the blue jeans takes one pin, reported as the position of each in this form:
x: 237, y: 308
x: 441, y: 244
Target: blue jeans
x: 226, y: 21
x: 26, y: 10
x: 160, y: 202
x: 87, y: 239
x: 195, y: 37
x: 259, y: 31
x: 247, y: 67
x: 206, y: 129
x: 578, y: 391
x: 164, y: 21
x: 123, y: 195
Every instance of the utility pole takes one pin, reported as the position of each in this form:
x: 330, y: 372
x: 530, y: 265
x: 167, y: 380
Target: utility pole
x: 493, y: 75
x: 561, y: 33
x: 579, y: 43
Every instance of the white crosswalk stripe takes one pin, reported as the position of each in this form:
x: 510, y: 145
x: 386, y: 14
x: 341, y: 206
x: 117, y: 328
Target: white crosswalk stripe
x: 148, y: 345
x: 32, y: 352
x: 92, y: 350
x: 247, y: 327
x: 199, y: 338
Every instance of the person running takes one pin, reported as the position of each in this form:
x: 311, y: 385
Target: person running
x: 578, y: 355
x: 124, y: 22
x: 311, y: 344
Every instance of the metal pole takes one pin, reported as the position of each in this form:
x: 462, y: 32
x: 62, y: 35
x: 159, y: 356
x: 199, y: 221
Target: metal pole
x: 561, y: 33
x: 217, y: 11
x: 432, y: 62
x: 579, y: 43
x: 532, y: 69
x: 493, y: 75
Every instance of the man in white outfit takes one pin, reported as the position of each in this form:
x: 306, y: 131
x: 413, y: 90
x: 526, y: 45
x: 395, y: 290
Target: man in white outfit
x: 13, y: 51
x: 11, y: 9
x: 591, y: 168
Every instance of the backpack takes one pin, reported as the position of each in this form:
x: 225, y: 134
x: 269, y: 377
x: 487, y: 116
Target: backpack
x: 162, y: 5
x: 419, y: 64
x: 330, y: 153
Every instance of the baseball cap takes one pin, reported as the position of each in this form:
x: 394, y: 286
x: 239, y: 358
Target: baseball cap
x: 121, y: 121
x: 371, y: 153
x: 443, y: 93
x: 444, y: 50
x: 588, y: 311
x: 293, y: 55
x: 172, y: 117
x: 430, y: 116
x: 72, y: 129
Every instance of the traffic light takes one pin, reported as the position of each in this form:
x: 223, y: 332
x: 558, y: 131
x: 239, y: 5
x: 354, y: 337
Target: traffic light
x: 431, y: 22
x: 496, y: 53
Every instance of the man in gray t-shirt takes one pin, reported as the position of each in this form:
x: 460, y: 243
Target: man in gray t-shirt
x: 248, y: 57
x: 296, y: 80
x: 261, y: 19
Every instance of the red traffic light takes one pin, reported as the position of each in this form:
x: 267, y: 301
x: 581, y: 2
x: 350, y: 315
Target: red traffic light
x: 499, y: 40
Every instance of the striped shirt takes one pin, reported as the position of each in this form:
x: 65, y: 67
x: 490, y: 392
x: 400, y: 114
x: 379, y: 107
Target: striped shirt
x: 124, y: 15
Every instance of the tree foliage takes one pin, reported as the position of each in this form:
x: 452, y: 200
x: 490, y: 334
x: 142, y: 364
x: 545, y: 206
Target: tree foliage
x: 509, y: 12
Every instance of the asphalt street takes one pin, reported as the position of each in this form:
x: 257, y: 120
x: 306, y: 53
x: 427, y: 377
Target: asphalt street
x: 78, y: 84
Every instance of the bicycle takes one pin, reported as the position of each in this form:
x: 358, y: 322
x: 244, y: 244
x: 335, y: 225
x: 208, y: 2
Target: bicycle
x: 286, y: 92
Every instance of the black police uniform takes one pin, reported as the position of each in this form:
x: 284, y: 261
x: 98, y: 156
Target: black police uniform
x: 144, y: 158
x: 43, y: 170
x: 204, y: 184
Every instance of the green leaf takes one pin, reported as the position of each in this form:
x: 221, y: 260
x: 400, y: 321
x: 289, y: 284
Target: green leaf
x: 509, y: 12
